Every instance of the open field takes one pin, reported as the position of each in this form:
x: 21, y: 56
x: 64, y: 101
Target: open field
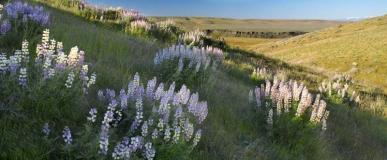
x: 249, y: 43
x: 245, y: 25
x: 357, y: 48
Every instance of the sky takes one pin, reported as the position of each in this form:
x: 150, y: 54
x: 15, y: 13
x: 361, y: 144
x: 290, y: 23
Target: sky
x: 254, y: 9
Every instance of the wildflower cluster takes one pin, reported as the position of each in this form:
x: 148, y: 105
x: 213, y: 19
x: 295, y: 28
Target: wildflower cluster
x: 26, y: 12
x: 338, y: 87
x: 21, y: 19
x: 132, y: 15
x: 55, y: 62
x: 16, y: 63
x: 195, y: 56
x: 140, y: 24
x: 263, y: 73
x: 192, y: 38
x: 169, y: 121
x: 283, y: 96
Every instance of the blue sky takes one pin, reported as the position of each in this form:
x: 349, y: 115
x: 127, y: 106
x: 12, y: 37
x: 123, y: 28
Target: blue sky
x: 254, y: 9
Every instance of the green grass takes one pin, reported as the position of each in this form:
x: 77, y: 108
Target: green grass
x: 233, y: 129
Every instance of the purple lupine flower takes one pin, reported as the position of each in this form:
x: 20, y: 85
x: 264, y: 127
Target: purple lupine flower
x: 167, y: 133
x: 192, y: 103
x: 188, y: 130
x: 122, y: 150
x: 45, y: 20
x: 164, y: 104
x: 172, y: 88
x: 150, y: 88
x: 23, y: 77
x: 46, y: 129
x: 5, y: 27
x: 12, y: 9
x: 155, y: 133
x: 159, y: 91
x: 161, y: 123
x: 201, y: 111
x: 144, y: 131
x: 176, y: 99
x: 179, y: 112
x: 181, y: 65
x: 67, y: 135
x: 104, y: 140
x: 139, y: 115
x: 93, y: 115
x: 14, y: 64
x: 136, y: 143
x: 104, y: 137
x: 131, y: 89
x: 197, y: 66
x: 119, y: 117
x: 123, y: 99
x: 197, y: 137
x: 46, y: 67
x: 100, y: 95
x: 149, y: 151
x: 139, y: 91
x: 110, y: 94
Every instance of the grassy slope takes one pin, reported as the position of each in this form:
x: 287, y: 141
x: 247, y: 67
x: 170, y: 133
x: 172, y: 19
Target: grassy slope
x: 249, y: 43
x: 230, y: 122
x: 191, y: 23
x: 335, y: 49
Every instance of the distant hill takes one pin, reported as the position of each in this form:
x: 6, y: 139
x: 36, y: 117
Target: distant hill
x: 358, y: 48
x: 247, y: 25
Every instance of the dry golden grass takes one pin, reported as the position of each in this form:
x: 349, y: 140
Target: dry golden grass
x: 191, y: 23
x: 361, y: 45
x: 249, y: 43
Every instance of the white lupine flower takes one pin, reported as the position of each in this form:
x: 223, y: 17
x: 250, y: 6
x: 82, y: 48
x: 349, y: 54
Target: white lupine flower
x: 70, y: 80
x: 270, y: 117
x: 92, y: 80
x: 51, y: 72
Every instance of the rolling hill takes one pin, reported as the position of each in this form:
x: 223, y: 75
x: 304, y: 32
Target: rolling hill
x: 358, y: 48
x: 246, y: 25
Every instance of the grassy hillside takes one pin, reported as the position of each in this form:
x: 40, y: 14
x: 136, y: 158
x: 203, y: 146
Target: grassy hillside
x: 245, y: 25
x: 235, y: 128
x: 358, y: 48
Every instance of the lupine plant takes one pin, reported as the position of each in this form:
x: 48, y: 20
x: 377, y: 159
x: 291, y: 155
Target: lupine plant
x: 262, y: 73
x: 147, y: 122
x: 21, y: 21
x: 337, y: 89
x: 50, y: 84
x: 192, y: 38
x: 180, y: 63
x: 288, y: 105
